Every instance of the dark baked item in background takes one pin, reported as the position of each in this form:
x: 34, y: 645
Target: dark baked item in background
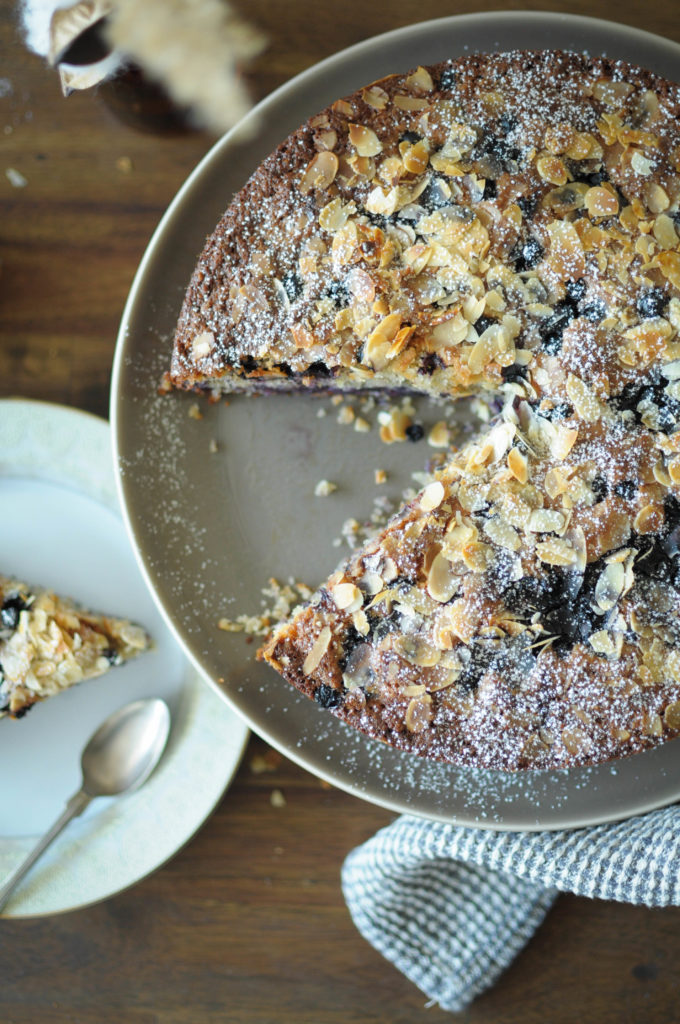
x: 505, y: 224
x: 48, y: 643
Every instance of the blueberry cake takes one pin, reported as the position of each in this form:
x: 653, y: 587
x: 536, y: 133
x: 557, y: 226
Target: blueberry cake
x: 508, y: 225
x: 47, y: 644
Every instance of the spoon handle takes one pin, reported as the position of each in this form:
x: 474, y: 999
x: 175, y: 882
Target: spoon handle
x: 74, y: 807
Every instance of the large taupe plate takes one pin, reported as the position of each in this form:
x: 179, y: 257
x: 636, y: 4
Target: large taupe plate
x: 211, y: 528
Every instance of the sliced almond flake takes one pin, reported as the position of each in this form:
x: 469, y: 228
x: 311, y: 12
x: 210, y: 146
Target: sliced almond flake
x: 432, y: 496
x: 585, y: 402
x: 202, y: 345
x: 404, y: 102
x: 640, y: 164
x: 556, y: 551
x: 419, y: 714
x: 609, y: 586
x: 502, y: 534
x: 317, y: 651
x: 563, y: 441
x: 671, y: 715
x: 518, y: 465
x: 664, y: 231
x: 347, y: 595
x: 421, y: 80
x: 602, y: 643
x: 441, y: 583
x: 361, y: 623
x: 375, y: 97
x: 320, y: 172
x: 371, y: 583
x: 545, y: 520
x: 649, y: 519
x: 364, y: 140
x: 669, y: 263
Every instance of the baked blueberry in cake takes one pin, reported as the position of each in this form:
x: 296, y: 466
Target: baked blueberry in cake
x: 48, y: 643
x: 508, y: 225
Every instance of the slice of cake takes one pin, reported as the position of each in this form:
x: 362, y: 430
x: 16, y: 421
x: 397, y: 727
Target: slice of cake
x: 47, y: 644
x: 506, y: 224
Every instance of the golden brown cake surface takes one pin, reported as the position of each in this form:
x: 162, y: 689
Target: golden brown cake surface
x: 505, y: 224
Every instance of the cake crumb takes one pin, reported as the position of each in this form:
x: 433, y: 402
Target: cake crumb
x: 16, y: 178
x: 440, y: 435
x: 346, y: 414
x: 361, y: 425
x: 380, y: 476
x: 277, y: 799
x: 124, y: 164
x: 324, y: 488
x: 213, y: 446
x: 195, y: 412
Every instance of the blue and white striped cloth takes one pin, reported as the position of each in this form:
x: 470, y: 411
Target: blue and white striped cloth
x: 452, y: 907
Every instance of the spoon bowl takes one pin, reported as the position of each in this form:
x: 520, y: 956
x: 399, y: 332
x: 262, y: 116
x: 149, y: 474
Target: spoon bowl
x: 126, y: 748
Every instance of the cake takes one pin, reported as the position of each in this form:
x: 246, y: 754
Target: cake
x: 504, y: 225
x: 48, y: 643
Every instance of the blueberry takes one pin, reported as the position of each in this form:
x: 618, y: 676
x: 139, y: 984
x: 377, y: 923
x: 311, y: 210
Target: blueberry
x: 411, y: 137
x: 528, y: 255
x: 350, y: 640
x: 328, y: 697
x: 553, y: 329
x: 339, y: 293
x: 595, y: 311
x: 651, y: 302
x: 515, y: 373
x: 576, y: 290
x: 528, y: 595
x: 671, y: 509
x: 447, y: 79
x: 479, y: 663
x: 378, y: 220
x: 625, y: 489
x: 292, y: 284
x: 415, y: 432
x: 507, y: 123
x: 527, y: 205
x: 483, y: 323
x: 248, y: 364
x: 669, y: 413
x: 11, y: 610
x: 599, y: 487
x: 592, y: 179
x: 318, y: 369
x: 430, y: 362
x: 432, y: 197
x: 112, y: 656
x: 490, y: 189
x: 492, y: 147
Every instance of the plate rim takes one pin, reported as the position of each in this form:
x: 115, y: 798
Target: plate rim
x: 619, y: 33
x: 194, y: 681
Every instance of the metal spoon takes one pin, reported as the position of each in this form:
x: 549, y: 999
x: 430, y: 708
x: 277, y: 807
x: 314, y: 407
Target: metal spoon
x: 118, y: 758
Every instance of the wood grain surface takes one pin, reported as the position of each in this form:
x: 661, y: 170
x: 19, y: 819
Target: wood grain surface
x: 246, y: 923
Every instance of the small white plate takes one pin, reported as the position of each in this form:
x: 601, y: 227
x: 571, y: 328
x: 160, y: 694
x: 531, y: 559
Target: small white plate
x: 60, y: 527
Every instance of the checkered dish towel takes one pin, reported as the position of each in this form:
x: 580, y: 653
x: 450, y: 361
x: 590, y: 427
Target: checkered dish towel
x: 452, y: 907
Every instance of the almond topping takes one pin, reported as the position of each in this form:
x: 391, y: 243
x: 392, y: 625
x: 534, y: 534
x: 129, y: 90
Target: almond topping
x: 364, y: 140
x: 320, y: 172
x: 432, y: 496
x: 317, y: 651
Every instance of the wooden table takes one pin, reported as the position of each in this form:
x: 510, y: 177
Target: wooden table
x: 247, y: 923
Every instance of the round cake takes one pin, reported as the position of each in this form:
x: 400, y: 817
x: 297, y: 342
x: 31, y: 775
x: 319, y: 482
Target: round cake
x: 505, y: 224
